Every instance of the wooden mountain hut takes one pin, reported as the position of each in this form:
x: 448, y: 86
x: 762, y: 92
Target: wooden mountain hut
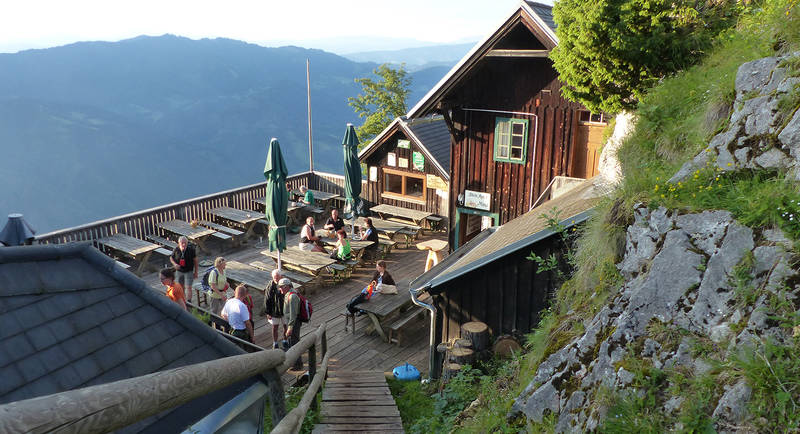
x: 512, y: 130
x: 408, y: 165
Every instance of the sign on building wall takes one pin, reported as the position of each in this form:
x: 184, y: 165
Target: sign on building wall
x: 419, y: 160
x: 402, y: 162
x: 391, y: 159
x: 477, y: 200
x: 434, y: 181
x: 373, y: 174
x: 405, y: 144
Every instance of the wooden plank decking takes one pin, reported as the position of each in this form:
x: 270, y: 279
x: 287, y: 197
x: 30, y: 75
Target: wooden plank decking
x: 350, y: 352
x: 358, y: 401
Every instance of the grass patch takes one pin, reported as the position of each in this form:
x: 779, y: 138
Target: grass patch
x: 413, y: 399
x: 293, y: 397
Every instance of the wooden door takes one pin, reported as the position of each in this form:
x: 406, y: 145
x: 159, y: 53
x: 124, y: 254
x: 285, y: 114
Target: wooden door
x: 588, y: 145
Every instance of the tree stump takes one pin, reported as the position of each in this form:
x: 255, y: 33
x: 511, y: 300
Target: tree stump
x: 452, y: 369
x: 462, y: 343
x: 462, y: 356
x: 505, y: 345
x: 477, y: 333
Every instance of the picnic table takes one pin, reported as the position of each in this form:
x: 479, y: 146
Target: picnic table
x: 356, y: 246
x: 389, y: 228
x: 383, y: 306
x: 245, y: 218
x: 324, y: 198
x: 250, y: 276
x: 304, y: 261
x: 295, y: 211
x: 196, y: 234
x: 416, y: 216
x: 137, y: 249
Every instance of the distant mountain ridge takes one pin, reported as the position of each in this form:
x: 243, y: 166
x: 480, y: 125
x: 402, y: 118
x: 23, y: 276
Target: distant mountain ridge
x: 416, y: 58
x: 96, y: 129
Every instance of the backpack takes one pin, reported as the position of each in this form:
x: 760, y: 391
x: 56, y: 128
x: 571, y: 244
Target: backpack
x: 306, y: 309
x: 204, y: 281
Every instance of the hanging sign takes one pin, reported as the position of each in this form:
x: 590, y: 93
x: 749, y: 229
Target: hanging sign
x: 405, y: 144
x: 434, y: 181
x: 477, y: 200
x: 419, y: 160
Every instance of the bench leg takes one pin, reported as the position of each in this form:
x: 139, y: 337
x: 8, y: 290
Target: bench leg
x: 378, y: 327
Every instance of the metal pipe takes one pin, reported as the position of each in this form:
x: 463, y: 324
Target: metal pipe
x: 432, y: 336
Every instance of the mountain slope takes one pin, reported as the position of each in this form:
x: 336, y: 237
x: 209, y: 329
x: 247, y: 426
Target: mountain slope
x: 161, y: 119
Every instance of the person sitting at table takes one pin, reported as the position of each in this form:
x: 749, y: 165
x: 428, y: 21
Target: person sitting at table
x: 335, y: 223
x: 342, y: 252
x: 381, y: 277
x: 184, y: 260
x: 308, y: 196
x: 174, y: 289
x: 370, y: 234
x: 309, y: 240
x: 218, y: 282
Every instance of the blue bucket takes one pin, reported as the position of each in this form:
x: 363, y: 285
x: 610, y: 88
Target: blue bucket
x: 406, y: 373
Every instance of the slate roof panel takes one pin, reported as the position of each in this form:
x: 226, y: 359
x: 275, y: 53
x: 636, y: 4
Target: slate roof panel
x: 545, y: 12
x: 435, y: 137
x: 71, y: 319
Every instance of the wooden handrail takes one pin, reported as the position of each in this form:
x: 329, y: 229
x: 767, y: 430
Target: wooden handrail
x: 111, y: 406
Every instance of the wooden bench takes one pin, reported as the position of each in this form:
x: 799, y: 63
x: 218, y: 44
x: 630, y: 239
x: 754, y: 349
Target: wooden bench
x: 385, y: 245
x: 300, y: 278
x: 396, y: 328
x: 163, y: 251
x: 434, y: 222
x: 220, y: 228
x: 123, y: 265
x: 338, y: 272
x: 163, y: 241
x: 408, y: 236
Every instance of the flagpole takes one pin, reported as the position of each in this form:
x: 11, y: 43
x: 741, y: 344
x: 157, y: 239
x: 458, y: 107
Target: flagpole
x: 310, y: 141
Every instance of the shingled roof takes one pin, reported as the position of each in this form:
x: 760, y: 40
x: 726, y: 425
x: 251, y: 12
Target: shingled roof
x: 430, y: 134
x: 71, y: 318
x: 573, y: 207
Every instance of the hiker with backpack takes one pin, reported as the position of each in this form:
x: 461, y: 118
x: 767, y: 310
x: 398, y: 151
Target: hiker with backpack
x: 296, y: 310
x: 218, y: 282
x: 273, y: 306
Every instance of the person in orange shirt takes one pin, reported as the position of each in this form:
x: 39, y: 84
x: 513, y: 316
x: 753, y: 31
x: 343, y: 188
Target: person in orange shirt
x: 174, y: 289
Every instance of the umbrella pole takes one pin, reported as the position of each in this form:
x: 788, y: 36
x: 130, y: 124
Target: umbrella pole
x: 279, y: 259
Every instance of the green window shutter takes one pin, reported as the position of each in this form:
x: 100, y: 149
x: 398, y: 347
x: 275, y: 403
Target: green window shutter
x: 510, y: 140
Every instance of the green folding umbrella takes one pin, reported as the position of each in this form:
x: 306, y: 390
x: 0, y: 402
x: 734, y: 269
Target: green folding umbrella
x: 277, y: 198
x: 352, y: 174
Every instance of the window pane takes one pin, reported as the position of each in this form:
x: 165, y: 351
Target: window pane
x: 502, y: 151
x: 504, y: 126
x: 414, y: 187
x: 516, y: 141
x: 597, y: 117
x: 519, y: 129
x: 393, y: 183
x: 516, y: 153
x: 584, y: 116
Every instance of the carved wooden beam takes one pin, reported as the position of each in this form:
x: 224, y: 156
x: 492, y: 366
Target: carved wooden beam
x: 518, y: 53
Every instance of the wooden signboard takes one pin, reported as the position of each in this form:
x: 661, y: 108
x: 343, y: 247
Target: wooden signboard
x: 477, y: 200
x: 434, y: 181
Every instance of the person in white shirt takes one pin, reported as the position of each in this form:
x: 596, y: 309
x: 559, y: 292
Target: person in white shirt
x: 237, y: 315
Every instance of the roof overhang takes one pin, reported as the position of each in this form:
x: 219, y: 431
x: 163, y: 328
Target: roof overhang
x: 401, y: 124
x: 522, y: 13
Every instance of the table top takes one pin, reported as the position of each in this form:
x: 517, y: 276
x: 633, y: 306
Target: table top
x: 128, y: 244
x: 435, y: 245
x: 381, y: 225
x: 293, y: 206
x: 412, y: 214
x: 181, y: 227
x: 235, y: 215
x: 250, y: 276
x: 312, y: 261
x: 319, y: 195
x: 382, y: 305
x: 355, y: 245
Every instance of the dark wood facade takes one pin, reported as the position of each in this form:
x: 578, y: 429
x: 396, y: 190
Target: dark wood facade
x: 435, y: 200
x: 509, y: 77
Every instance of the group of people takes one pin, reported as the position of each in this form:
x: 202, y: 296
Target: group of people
x: 281, y: 302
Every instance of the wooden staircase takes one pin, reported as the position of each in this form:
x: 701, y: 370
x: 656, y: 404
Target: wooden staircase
x: 358, y: 401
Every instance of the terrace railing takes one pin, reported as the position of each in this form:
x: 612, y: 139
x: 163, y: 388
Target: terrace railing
x: 140, y: 224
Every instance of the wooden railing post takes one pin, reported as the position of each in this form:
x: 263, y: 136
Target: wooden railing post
x: 277, y: 402
x: 324, y: 343
x: 312, y: 369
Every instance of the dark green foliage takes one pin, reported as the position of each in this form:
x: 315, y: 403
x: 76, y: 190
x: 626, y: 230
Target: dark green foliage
x: 380, y: 101
x: 293, y: 397
x: 611, y: 51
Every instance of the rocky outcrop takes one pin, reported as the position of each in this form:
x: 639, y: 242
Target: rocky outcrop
x: 683, y: 272
x: 761, y: 133
x: 678, y: 271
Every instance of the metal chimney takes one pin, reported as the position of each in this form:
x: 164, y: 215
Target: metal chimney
x: 17, y: 231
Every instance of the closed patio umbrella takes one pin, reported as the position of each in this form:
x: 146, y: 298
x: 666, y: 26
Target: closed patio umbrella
x: 352, y: 175
x: 16, y: 231
x: 277, y: 198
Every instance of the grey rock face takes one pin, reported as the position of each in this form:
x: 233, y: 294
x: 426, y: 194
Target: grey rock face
x: 732, y: 407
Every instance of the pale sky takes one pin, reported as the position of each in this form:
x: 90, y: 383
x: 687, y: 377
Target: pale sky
x: 45, y: 23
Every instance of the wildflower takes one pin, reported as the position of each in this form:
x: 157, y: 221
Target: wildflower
x: 694, y: 195
x: 730, y: 164
x: 655, y: 188
x: 662, y: 196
